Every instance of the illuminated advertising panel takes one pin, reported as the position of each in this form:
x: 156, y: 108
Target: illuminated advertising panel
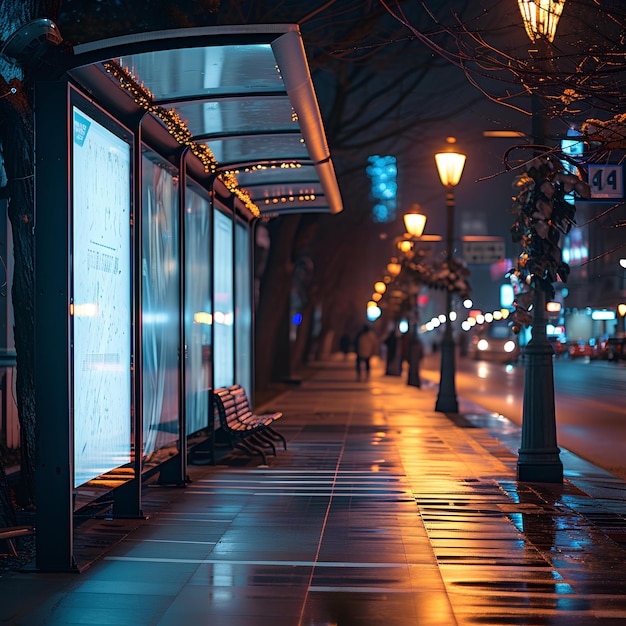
x: 160, y: 304
x: 198, y: 309
x: 243, y: 301
x: 223, y: 317
x: 101, y: 298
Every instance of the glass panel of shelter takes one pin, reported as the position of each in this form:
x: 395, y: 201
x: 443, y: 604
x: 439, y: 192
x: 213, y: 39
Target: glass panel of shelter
x: 210, y: 70
x: 160, y: 306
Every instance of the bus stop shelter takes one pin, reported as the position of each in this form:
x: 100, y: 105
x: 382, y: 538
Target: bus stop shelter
x: 156, y: 153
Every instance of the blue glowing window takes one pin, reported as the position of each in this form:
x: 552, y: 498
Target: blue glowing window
x: 383, y: 171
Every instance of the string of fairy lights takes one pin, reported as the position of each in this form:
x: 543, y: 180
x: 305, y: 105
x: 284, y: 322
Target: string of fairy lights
x: 179, y: 130
x: 303, y: 195
x: 175, y: 125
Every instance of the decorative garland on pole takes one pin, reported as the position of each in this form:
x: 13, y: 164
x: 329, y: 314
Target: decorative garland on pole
x: 451, y: 277
x: 543, y: 215
x: 415, y: 271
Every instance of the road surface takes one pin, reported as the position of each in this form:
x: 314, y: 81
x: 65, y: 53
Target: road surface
x: 590, y: 401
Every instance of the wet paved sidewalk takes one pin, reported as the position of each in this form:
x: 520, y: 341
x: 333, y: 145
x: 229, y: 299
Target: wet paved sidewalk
x: 381, y: 511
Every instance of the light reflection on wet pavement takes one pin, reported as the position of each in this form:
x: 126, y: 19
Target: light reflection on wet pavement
x: 381, y: 511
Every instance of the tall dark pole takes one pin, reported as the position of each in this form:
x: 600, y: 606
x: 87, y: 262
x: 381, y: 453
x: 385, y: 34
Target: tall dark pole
x: 539, y: 457
x: 446, y: 399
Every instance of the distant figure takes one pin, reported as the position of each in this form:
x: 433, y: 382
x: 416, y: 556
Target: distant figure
x: 344, y: 345
x: 366, y: 347
x: 394, y: 357
x: 416, y: 353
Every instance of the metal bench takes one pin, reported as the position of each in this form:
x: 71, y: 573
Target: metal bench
x: 246, y: 430
x: 8, y: 533
x: 245, y: 414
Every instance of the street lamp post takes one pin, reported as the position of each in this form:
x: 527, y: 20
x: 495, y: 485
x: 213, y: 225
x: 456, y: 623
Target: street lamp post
x: 414, y: 222
x: 538, y: 457
x: 450, y: 168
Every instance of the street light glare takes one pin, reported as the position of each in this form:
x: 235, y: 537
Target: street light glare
x: 405, y: 245
x: 394, y: 268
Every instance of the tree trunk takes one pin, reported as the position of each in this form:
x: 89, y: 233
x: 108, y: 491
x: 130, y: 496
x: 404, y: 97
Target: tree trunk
x: 17, y: 137
x: 274, y: 297
x: 17, y: 142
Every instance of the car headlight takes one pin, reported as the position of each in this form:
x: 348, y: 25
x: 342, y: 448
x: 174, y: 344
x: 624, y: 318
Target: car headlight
x: 483, y: 344
x: 509, y: 346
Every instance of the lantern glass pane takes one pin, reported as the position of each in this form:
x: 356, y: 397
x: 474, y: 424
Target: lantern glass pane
x: 415, y: 223
x: 450, y: 167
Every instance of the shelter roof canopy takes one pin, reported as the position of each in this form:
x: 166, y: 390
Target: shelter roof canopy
x: 246, y: 92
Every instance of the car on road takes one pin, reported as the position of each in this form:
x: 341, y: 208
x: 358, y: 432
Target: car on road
x: 614, y: 349
x: 495, y: 342
x: 581, y: 348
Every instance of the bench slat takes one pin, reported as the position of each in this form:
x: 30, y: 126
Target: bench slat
x: 265, y: 419
x: 8, y: 533
x: 243, y: 427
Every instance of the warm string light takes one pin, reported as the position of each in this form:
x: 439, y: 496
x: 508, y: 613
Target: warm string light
x: 177, y: 127
x: 261, y: 166
x: 302, y: 196
x: 232, y: 185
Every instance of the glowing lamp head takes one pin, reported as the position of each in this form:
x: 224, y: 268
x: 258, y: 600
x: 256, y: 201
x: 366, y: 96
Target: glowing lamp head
x: 450, y: 165
x: 541, y: 18
x: 414, y: 221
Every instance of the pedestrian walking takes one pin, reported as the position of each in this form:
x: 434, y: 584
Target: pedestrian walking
x: 416, y: 353
x: 366, y: 347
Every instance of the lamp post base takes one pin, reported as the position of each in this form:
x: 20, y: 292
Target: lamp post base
x: 537, y: 467
x: 446, y: 399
